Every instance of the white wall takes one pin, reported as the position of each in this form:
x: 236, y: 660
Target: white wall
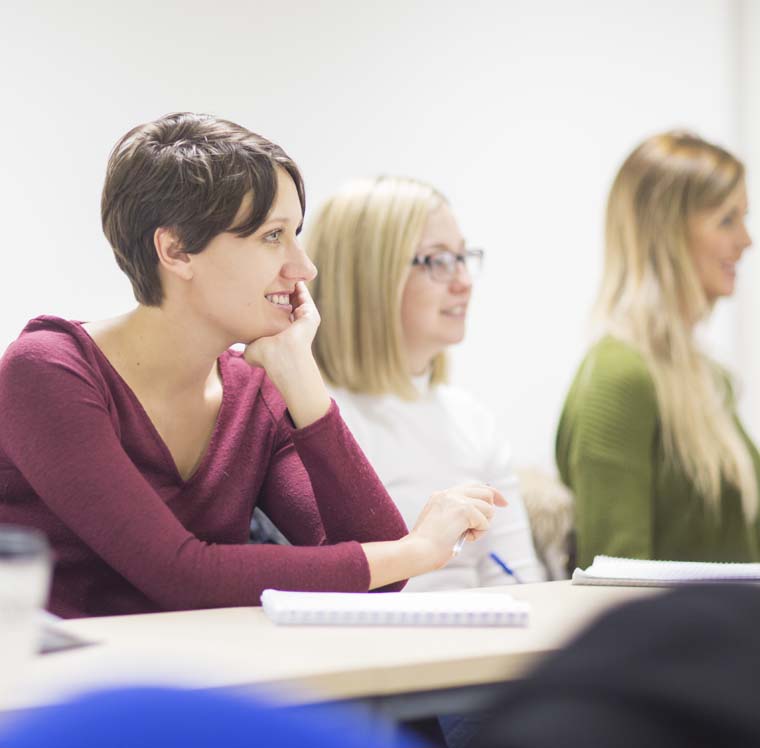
x: 519, y: 111
x: 748, y: 315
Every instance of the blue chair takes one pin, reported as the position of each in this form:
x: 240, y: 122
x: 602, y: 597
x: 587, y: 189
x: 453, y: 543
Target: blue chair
x: 168, y: 717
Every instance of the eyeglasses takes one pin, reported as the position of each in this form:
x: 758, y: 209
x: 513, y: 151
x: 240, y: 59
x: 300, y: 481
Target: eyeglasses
x: 442, y: 265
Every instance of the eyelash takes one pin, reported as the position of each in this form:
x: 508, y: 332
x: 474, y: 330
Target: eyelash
x: 273, y: 236
x: 729, y: 220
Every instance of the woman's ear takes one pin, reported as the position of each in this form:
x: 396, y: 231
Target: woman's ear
x: 171, y: 254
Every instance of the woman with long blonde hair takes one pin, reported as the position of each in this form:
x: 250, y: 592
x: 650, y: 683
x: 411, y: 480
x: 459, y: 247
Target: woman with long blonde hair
x: 394, y: 283
x: 649, y: 438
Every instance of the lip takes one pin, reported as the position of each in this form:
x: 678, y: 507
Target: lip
x: 728, y: 267
x: 288, y: 308
x: 458, y: 311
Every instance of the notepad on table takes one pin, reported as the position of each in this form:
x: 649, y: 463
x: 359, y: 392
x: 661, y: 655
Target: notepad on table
x: 634, y: 572
x: 394, y: 608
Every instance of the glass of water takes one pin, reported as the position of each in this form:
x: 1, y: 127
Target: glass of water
x: 25, y: 569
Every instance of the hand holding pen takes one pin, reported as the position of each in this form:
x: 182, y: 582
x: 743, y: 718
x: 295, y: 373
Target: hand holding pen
x: 494, y: 498
x: 498, y: 500
x: 463, y: 512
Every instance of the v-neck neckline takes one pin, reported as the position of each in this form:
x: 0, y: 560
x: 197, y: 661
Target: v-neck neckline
x: 211, y: 445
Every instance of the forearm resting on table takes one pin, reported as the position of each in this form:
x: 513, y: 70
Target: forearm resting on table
x: 393, y: 560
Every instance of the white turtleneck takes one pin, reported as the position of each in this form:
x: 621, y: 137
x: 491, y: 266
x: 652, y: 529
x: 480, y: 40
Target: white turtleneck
x: 443, y: 438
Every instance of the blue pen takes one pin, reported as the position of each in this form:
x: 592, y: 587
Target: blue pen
x: 504, y: 567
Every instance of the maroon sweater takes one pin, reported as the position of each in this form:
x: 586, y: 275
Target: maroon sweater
x: 81, y: 461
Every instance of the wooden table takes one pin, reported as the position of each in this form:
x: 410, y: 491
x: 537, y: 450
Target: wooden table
x: 240, y: 649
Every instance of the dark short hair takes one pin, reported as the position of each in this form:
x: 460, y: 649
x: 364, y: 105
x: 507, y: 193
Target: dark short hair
x: 189, y: 172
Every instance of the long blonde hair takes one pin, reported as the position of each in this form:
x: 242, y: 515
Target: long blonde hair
x: 651, y: 297
x: 363, y: 240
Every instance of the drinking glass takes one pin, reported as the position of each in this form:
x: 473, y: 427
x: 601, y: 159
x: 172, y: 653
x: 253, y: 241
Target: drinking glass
x: 25, y: 570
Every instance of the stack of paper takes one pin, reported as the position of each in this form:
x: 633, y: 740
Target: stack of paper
x: 634, y: 572
x: 395, y: 609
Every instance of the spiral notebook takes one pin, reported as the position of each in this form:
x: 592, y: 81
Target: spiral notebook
x: 634, y: 572
x: 394, y: 608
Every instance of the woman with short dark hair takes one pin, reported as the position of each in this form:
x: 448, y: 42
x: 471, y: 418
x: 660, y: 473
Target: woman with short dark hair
x: 141, y: 444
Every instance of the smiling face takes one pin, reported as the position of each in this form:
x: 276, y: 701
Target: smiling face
x: 242, y: 285
x: 433, y: 313
x: 717, y: 240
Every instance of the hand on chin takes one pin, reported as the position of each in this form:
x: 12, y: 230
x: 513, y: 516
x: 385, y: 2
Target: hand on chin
x: 292, y: 338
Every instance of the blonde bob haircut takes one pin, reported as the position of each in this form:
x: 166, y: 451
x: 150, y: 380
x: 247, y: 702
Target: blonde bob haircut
x: 363, y: 240
x: 651, y: 297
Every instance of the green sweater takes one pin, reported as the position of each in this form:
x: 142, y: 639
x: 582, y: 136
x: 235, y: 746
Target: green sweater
x: 629, y: 500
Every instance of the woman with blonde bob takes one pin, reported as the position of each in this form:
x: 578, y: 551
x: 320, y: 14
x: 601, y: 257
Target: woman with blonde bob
x: 394, y: 283
x: 649, y: 439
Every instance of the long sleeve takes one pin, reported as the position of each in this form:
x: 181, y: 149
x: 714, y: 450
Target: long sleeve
x: 605, y: 448
x: 350, y: 500
x: 58, y: 432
